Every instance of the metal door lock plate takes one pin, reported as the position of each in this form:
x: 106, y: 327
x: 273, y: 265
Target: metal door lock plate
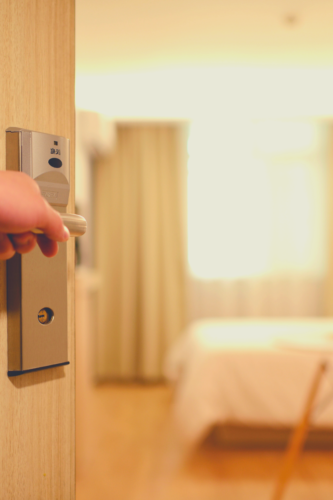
x: 37, y: 285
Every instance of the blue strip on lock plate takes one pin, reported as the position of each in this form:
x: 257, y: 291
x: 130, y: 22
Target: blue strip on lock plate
x: 17, y: 373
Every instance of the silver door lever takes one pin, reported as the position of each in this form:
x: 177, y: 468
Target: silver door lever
x: 76, y: 224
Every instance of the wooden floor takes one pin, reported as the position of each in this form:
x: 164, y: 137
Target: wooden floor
x: 125, y: 451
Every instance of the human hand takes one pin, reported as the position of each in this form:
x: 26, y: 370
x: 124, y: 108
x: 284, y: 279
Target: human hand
x: 22, y: 208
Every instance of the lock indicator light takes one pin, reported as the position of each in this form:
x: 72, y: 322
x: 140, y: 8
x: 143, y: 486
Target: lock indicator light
x: 45, y: 316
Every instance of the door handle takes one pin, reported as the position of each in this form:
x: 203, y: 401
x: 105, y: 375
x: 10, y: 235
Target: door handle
x: 76, y: 224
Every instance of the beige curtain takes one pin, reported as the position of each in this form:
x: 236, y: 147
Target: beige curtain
x: 296, y: 296
x: 140, y: 250
x: 259, y: 219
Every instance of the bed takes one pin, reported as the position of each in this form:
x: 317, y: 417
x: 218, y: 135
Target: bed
x: 250, y: 372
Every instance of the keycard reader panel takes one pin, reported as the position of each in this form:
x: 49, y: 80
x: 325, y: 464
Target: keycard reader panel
x: 37, y: 285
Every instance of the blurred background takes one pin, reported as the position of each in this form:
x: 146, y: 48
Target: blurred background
x: 204, y: 284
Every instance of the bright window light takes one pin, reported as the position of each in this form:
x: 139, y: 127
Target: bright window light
x: 256, y: 199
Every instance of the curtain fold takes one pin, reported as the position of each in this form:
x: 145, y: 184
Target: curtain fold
x: 140, y: 250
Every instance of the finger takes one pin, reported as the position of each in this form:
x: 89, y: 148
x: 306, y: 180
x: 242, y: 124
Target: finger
x: 48, y: 247
x: 23, y: 242
x: 52, y: 225
x: 6, y: 247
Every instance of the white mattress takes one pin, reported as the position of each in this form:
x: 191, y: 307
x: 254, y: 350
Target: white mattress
x: 249, y: 372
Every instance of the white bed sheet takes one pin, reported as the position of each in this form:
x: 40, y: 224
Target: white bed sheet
x: 249, y: 372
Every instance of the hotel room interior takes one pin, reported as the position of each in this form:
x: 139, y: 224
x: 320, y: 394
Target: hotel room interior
x: 204, y: 284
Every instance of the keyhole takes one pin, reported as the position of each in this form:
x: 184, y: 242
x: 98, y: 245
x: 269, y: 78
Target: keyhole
x: 45, y: 316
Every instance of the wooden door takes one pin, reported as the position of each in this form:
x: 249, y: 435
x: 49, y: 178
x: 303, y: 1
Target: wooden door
x: 37, y: 410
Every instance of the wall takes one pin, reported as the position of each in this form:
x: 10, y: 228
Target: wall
x: 37, y: 410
